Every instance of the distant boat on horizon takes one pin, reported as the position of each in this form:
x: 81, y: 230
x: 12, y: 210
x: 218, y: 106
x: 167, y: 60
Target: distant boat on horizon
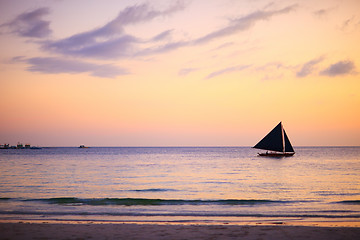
x: 83, y: 146
x: 277, y: 142
x: 18, y: 146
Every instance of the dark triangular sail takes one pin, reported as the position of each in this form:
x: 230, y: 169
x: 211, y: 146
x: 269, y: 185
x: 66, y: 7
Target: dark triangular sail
x: 288, y: 147
x: 273, y: 141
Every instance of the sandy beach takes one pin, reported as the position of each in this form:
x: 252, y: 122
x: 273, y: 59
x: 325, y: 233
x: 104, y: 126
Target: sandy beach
x: 30, y: 230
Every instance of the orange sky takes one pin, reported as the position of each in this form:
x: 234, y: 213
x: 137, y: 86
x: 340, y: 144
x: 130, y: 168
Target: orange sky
x: 179, y: 73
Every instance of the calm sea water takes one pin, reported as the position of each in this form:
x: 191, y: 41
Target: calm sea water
x: 207, y: 184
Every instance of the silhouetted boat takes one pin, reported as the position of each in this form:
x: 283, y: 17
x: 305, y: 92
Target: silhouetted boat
x: 83, y: 146
x: 277, y: 142
x: 18, y: 146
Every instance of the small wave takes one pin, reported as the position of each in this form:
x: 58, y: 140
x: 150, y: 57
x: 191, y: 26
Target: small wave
x: 329, y: 193
x: 355, y: 202
x: 337, y: 211
x: 178, y: 214
x: 154, y: 190
x: 155, y: 202
x: 5, y: 199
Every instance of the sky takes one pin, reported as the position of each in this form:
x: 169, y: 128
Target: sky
x: 179, y: 73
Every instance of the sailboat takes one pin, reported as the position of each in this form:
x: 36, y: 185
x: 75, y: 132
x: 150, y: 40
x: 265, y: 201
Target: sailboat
x: 277, y: 142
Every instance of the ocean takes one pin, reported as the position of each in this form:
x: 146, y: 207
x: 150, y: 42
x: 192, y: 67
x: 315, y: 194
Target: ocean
x: 179, y: 184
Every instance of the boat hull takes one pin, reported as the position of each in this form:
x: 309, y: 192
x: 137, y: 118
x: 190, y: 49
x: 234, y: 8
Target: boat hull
x: 276, y: 154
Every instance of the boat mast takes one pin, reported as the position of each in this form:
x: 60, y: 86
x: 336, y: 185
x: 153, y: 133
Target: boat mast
x: 282, y: 137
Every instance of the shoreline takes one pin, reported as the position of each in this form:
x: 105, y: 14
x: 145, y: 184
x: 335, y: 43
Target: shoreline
x: 243, y: 222
x: 120, y: 230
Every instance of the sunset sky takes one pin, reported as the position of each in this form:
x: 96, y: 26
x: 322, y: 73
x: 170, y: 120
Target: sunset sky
x: 179, y: 73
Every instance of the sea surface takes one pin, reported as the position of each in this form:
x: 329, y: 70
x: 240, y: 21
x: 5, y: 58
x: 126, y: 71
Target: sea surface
x: 179, y: 184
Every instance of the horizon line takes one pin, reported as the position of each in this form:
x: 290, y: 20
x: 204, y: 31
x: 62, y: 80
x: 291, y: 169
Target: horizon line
x: 193, y: 146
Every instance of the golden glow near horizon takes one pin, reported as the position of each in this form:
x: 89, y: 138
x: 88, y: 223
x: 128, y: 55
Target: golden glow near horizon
x: 179, y: 73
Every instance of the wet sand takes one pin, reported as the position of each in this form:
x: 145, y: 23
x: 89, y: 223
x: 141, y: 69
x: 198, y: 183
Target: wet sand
x: 31, y: 230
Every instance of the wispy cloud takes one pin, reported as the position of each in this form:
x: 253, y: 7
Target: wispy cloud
x: 158, y: 49
x: 84, y: 45
x: 234, y: 26
x: 339, y: 68
x: 110, y: 41
x: 107, y: 42
x: 143, y: 13
x: 227, y: 70
x: 323, y: 12
x: 351, y: 24
x: 186, y: 71
x: 309, y: 67
x: 225, y: 45
x: 274, y: 65
x: 51, y: 65
x: 274, y: 70
x: 243, y: 23
x: 161, y: 36
x: 30, y: 24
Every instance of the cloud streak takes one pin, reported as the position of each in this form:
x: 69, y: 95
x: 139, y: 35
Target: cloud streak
x: 107, y: 42
x: 323, y: 12
x: 227, y: 70
x: 110, y: 41
x: 339, y: 68
x: 234, y: 26
x: 30, y: 24
x: 308, y: 67
x: 185, y: 71
x: 243, y: 23
x: 50, y: 65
